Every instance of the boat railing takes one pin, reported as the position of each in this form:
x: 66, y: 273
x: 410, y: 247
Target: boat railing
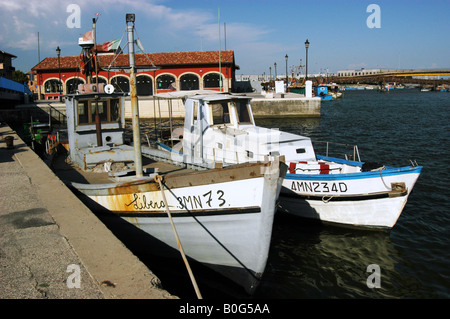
x: 354, y: 156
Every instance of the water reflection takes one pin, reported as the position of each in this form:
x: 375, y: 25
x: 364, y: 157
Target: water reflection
x: 309, y: 260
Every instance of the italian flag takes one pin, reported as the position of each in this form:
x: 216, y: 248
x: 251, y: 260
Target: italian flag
x: 111, y: 45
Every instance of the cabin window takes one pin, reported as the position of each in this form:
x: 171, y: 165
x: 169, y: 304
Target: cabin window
x: 83, y: 112
x: 243, y: 113
x: 300, y: 151
x: 109, y: 111
x: 102, y: 111
x: 114, y: 110
x: 195, y: 112
x: 220, y: 113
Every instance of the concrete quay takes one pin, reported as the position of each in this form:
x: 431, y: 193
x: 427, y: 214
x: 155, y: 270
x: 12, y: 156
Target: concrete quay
x: 263, y: 105
x: 52, y: 246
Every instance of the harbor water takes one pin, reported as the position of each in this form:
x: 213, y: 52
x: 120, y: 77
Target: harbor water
x: 310, y: 260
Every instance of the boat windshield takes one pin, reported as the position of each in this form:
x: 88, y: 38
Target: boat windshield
x: 220, y: 113
x: 108, y: 109
x: 242, y: 111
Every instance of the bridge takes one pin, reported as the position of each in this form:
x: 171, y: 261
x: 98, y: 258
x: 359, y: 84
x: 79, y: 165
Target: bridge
x: 13, y: 93
x: 393, y: 75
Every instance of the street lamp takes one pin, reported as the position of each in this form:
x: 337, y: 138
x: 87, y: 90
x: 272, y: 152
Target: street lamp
x: 306, y: 46
x: 58, y: 53
x: 287, y: 77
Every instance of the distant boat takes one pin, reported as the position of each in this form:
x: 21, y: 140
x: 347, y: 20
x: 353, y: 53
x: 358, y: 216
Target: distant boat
x: 389, y: 86
x: 322, y: 92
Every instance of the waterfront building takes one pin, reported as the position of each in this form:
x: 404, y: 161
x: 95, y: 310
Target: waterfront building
x: 6, y: 68
x: 176, y: 71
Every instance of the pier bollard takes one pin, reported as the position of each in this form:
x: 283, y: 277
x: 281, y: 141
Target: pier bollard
x: 9, y: 142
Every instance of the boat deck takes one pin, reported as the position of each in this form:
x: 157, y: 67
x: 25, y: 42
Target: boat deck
x: 67, y: 171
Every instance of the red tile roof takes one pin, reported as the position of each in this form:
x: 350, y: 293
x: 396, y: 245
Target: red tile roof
x: 159, y: 59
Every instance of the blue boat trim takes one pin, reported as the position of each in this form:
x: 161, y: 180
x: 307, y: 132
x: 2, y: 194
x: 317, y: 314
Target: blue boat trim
x: 168, y: 148
x: 361, y: 175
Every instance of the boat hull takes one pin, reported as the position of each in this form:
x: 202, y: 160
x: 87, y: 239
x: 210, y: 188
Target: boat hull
x: 372, y: 199
x: 216, y: 224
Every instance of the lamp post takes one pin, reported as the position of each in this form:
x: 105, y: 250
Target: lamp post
x: 275, y: 64
x: 287, y: 76
x: 306, y: 46
x: 58, y: 53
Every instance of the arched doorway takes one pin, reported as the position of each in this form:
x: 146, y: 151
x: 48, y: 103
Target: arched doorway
x: 164, y: 82
x: 189, y: 82
x: 72, y: 85
x: 212, y: 81
x: 121, y: 84
x: 144, y: 85
x: 52, y: 86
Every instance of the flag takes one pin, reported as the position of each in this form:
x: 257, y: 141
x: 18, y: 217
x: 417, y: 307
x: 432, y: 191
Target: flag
x: 88, y: 36
x: 111, y: 45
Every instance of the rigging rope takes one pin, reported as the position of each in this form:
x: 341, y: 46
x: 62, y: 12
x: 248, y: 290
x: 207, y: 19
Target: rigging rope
x: 159, y: 178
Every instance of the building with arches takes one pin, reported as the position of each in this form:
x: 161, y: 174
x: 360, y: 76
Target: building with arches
x: 177, y: 71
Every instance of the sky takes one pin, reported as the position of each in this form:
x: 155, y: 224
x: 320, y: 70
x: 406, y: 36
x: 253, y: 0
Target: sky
x: 343, y: 34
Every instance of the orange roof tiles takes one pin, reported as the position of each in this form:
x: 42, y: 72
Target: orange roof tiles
x: 159, y: 59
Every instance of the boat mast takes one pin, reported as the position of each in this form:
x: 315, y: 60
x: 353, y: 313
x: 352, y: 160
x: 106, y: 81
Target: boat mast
x: 130, y: 17
x: 220, y: 60
x: 98, y: 125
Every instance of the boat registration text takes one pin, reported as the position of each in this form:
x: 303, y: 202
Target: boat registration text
x: 319, y: 187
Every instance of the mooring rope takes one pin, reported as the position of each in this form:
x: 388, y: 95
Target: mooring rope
x: 159, y: 178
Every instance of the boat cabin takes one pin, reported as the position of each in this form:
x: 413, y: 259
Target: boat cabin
x: 221, y: 128
x: 92, y: 143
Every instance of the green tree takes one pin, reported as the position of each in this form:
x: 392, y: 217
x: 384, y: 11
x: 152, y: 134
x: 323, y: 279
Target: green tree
x: 20, y: 77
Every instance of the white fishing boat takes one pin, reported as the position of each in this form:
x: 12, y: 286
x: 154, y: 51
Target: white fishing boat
x: 220, y: 217
x: 221, y: 127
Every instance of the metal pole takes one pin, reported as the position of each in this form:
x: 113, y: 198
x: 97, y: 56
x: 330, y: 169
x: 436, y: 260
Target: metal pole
x: 287, y: 76
x: 98, y: 124
x: 59, y: 70
x: 306, y: 46
x: 134, y: 99
x: 220, y: 59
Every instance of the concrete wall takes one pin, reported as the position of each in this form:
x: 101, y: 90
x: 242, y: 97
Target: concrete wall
x: 269, y: 106
x: 280, y: 107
